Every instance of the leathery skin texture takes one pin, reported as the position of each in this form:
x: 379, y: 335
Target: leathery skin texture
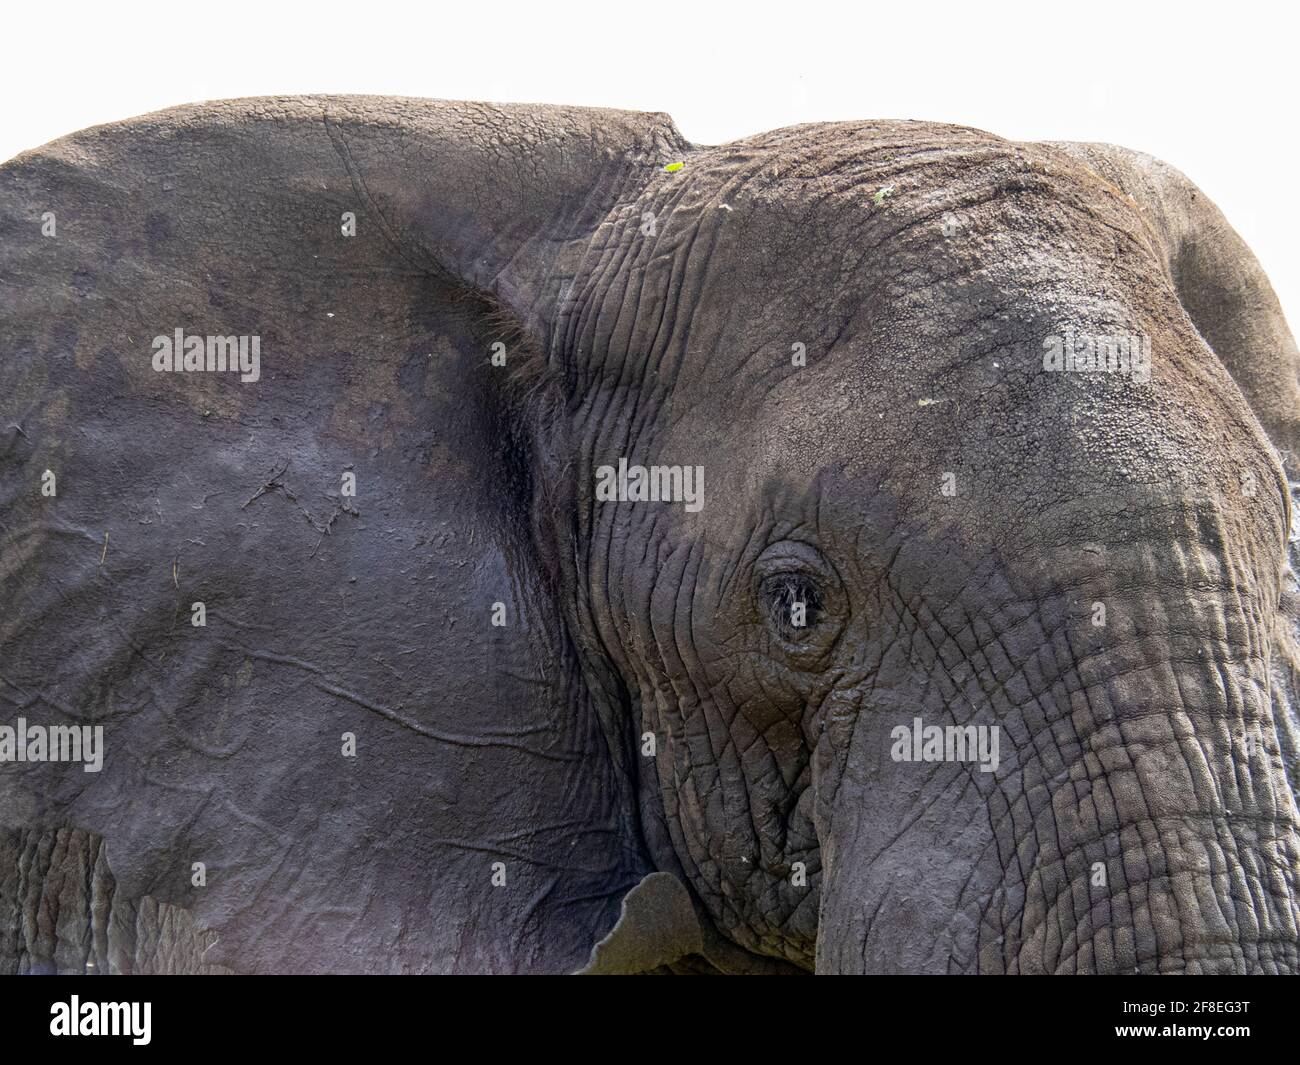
x: 863, y: 547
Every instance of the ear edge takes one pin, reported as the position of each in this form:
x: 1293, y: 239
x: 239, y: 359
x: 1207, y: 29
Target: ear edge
x: 497, y: 197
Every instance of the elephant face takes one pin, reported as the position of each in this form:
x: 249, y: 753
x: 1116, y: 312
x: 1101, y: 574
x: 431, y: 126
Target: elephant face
x: 957, y: 633
x: 1075, y: 573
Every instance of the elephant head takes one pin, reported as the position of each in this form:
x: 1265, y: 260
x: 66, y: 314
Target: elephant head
x: 860, y: 547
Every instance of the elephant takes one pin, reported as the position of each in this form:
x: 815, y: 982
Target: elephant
x: 447, y: 537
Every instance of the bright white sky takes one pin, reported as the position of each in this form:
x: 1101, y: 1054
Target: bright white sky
x: 1210, y: 87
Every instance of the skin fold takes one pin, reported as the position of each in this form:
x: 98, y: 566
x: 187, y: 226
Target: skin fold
x: 645, y: 764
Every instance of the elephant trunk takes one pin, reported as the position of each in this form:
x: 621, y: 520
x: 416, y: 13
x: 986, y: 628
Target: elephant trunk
x: 1137, y: 819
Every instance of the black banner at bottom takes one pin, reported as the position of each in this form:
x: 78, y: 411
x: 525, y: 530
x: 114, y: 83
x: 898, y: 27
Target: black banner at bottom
x: 344, y: 1014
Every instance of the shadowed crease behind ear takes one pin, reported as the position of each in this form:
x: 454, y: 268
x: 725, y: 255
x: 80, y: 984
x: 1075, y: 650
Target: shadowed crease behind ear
x: 501, y: 202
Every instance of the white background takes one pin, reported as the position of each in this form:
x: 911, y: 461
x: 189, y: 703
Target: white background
x: 1211, y: 88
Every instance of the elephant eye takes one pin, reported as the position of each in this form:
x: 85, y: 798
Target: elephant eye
x: 793, y: 603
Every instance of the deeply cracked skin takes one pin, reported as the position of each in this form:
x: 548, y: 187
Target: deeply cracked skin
x: 648, y: 314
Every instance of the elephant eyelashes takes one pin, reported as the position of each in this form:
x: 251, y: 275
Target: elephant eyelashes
x: 793, y: 603
x: 800, y: 600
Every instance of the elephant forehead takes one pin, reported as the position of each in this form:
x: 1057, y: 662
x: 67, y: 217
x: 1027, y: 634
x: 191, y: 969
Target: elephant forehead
x: 819, y: 192
x: 789, y: 243
x: 1071, y: 452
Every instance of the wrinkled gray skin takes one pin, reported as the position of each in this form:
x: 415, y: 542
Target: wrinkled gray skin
x: 650, y: 314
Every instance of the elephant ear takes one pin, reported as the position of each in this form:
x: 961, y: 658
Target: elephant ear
x: 1219, y: 282
x: 343, y: 725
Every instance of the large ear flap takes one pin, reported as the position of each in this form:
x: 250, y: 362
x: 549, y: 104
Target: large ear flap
x: 1219, y: 282
x: 500, y: 199
x: 261, y: 522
